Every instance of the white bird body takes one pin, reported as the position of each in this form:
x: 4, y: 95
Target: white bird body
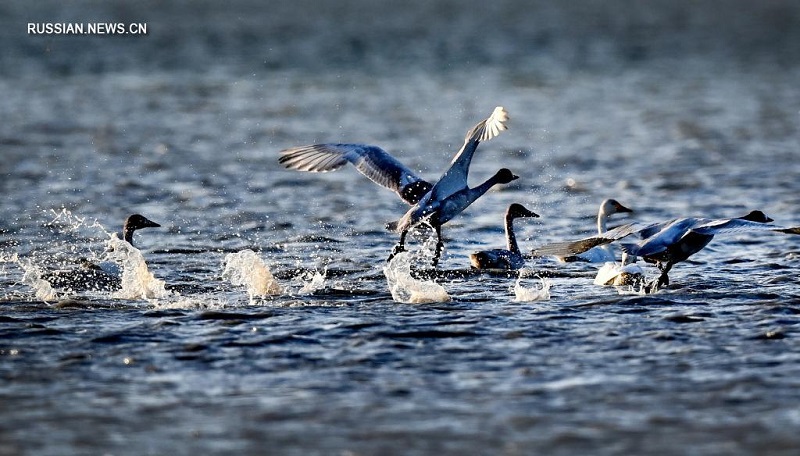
x: 601, y: 253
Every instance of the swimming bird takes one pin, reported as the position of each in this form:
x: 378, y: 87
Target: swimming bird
x: 104, y: 276
x: 433, y: 204
x: 510, y: 258
x: 670, y: 242
x: 603, y: 253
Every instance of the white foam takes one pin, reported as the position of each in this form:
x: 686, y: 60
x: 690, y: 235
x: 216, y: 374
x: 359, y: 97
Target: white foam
x: 316, y: 283
x: 32, y: 276
x: 137, y: 280
x: 246, y: 268
x: 524, y: 294
x: 405, y: 288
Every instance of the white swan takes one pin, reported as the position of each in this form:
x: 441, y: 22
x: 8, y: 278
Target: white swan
x: 510, y: 258
x: 670, y: 242
x: 602, y: 253
x: 432, y: 204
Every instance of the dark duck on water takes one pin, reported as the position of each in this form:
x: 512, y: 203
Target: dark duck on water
x: 98, y: 277
x: 510, y: 258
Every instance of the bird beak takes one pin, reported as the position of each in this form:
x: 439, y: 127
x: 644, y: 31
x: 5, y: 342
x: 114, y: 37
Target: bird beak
x: 621, y: 208
x: 150, y: 224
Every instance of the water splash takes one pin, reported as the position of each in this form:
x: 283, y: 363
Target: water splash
x: 524, y: 294
x: 407, y: 289
x: 64, y: 220
x: 137, y: 282
x: 643, y: 288
x: 246, y: 268
x: 32, y: 276
x: 629, y: 279
x: 70, y: 265
x: 615, y: 274
x: 316, y: 283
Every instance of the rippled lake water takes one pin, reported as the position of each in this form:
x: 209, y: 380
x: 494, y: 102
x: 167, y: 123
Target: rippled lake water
x: 259, y: 317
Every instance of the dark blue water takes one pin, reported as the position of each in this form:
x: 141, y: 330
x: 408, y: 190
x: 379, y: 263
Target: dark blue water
x: 673, y: 108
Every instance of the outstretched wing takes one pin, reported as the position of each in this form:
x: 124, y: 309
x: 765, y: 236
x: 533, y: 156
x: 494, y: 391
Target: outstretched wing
x: 455, y: 178
x: 734, y: 225
x: 570, y: 248
x: 698, y: 230
x: 737, y: 225
x: 371, y: 161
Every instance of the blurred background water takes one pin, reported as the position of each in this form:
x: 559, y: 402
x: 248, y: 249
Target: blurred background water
x: 675, y: 108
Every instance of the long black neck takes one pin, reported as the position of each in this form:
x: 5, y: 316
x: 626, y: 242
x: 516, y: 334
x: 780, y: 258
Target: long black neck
x: 511, y: 239
x: 127, y: 234
x: 478, y: 191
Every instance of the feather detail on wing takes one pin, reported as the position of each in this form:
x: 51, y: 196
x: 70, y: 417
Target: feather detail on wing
x: 732, y: 226
x: 455, y: 178
x: 569, y: 248
x: 371, y: 161
x: 633, y: 249
x: 738, y: 226
x: 489, y: 127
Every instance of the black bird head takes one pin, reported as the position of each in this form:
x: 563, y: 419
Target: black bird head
x: 757, y: 216
x: 518, y: 210
x: 135, y: 222
x: 505, y: 176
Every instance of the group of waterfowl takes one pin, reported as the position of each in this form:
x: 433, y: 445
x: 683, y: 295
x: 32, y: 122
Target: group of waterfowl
x: 663, y: 244
x: 666, y: 243
x: 433, y: 205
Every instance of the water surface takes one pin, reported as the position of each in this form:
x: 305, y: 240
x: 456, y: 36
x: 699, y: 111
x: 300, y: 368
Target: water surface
x: 673, y: 108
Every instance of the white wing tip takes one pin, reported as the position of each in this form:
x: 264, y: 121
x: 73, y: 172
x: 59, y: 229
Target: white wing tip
x: 499, y: 115
x: 492, y: 126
